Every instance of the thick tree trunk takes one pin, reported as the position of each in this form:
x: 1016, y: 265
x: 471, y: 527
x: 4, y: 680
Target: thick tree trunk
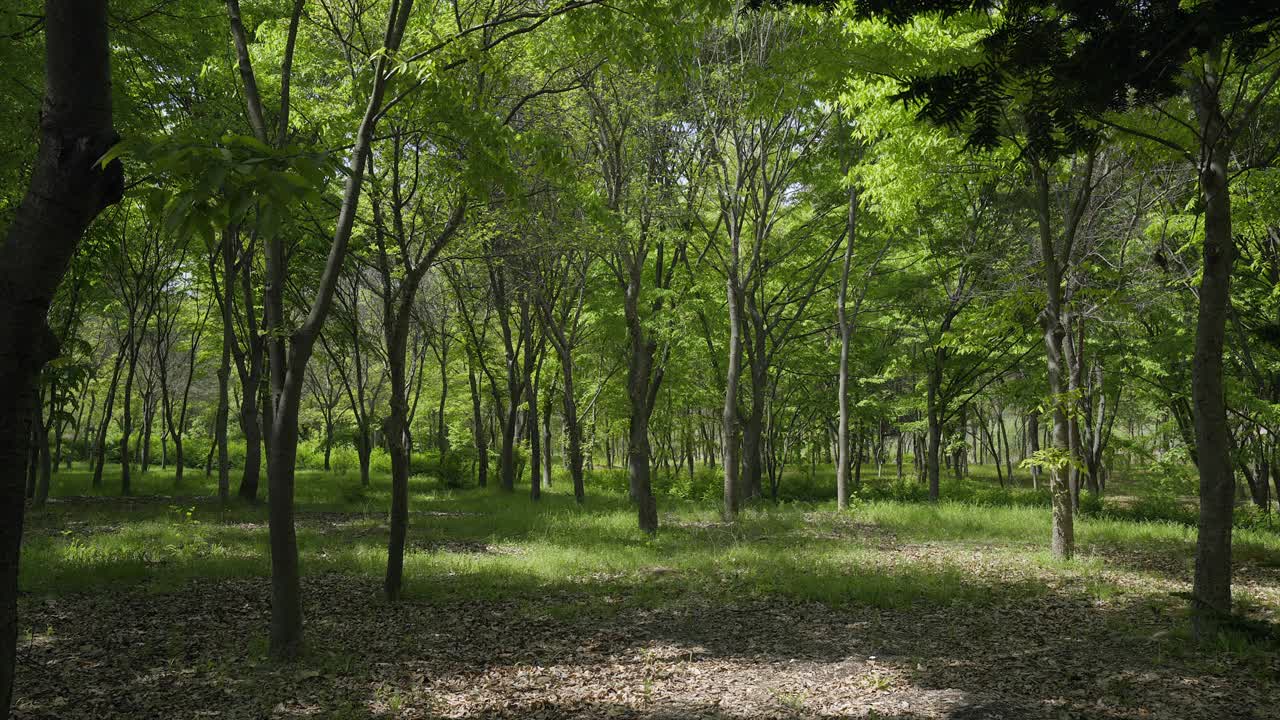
x: 286, y: 587
x: 638, y: 453
x: 250, y: 478
x: 68, y: 188
x: 396, y: 331
x: 642, y: 386
x: 1212, y: 588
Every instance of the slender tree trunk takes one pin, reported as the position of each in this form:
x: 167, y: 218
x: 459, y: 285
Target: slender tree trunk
x: 442, y: 428
x: 1033, y: 445
x: 396, y: 319
x: 573, y: 432
x: 535, y: 441
x: 729, y: 413
x: 548, y: 459
x: 753, y: 431
x: 933, y: 450
x: 328, y: 443
x: 126, y: 425
x: 42, y: 468
x: 1071, y: 351
x: 845, y: 329
x: 1063, y: 535
x: 224, y: 367
x: 478, y: 427
x: 364, y: 450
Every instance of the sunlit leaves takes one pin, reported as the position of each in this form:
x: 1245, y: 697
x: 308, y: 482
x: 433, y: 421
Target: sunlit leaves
x: 202, y: 188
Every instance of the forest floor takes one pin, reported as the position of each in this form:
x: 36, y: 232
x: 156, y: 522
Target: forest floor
x: 157, y: 607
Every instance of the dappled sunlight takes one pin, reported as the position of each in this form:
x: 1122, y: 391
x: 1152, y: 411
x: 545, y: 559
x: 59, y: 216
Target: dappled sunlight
x: 572, y: 650
x: 518, y: 610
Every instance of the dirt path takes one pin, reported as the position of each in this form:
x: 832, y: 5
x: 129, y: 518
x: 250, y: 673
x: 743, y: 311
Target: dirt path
x: 197, y: 653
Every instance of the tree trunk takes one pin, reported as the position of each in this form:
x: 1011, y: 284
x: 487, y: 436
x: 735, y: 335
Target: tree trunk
x: 68, y: 188
x: 224, y: 369
x: 1212, y: 588
x: 842, y: 393
x: 573, y: 432
x: 548, y: 459
x: 729, y: 413
x: 535, y: 441
x: 396, y: 331
x: 753, y: 440
x: 286, y: 587
x: 364, y: 450
x: 1062, y: 535
x: 126, y: 425
x: 328, y: 443
x: 506, y: 455
x: 933, y: 449
x: 42, y: 466
x: 478, y: 429
x: 148, y: 422
x: 1071, y: 351
x: 638, y: 452
x: 250, y: 479
x: 442, y: 429
x: 108, y: 407
x: 1033, y: 445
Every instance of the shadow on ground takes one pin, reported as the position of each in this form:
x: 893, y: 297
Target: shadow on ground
x: 199, y: 652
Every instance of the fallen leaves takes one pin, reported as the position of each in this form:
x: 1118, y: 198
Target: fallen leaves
x: 197, y: 652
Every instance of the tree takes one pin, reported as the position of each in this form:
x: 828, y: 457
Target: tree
x: 1073, y: 65
x: 69, y: 187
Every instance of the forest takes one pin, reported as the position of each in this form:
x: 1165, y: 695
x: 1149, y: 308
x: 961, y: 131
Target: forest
x: 640, y: 359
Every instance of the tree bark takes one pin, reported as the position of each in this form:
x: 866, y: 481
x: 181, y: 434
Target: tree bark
x: 729, y: 413
x: 68, y: 189
x: 108, y: 407
x: 479, y: 435
x: 845, y: 329
x: 1212, y: 587
x: 289, y: 356
x: 1062, y: 534
x: 224, y: 366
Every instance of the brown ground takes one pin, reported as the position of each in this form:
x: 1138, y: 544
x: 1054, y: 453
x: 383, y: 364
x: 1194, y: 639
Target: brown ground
x: 197, y: 653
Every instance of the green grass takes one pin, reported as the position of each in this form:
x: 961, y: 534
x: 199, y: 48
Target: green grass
x: 482, y: 543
